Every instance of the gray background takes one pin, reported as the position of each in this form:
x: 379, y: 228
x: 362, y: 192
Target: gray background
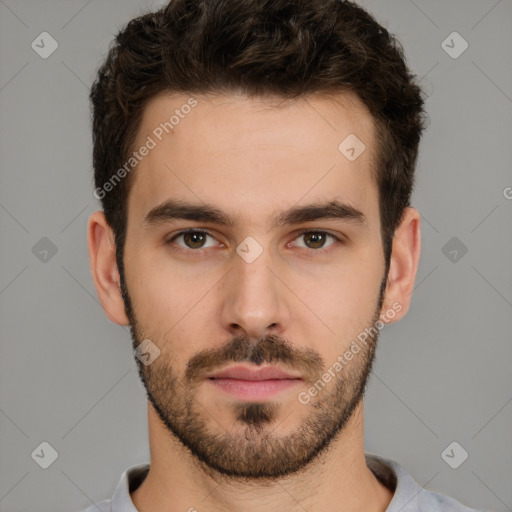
x: 67, y: 374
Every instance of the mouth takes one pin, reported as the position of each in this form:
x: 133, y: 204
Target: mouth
x: 253, y: 384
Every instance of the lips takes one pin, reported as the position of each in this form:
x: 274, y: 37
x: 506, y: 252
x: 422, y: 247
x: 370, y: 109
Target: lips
x: 249, y: 384
x: 252, y: 374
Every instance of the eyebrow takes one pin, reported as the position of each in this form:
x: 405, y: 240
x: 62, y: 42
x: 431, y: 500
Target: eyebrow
x: 171, y: 210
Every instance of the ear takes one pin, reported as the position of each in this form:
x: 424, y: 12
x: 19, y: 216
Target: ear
x: 105, y: 274
x: 405, y: 256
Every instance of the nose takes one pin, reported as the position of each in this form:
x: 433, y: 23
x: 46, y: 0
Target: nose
x: 254, y: 298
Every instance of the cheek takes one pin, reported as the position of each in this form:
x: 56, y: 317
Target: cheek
x: 172, y: 306
x: 156, y: 291
x: 344, y: 299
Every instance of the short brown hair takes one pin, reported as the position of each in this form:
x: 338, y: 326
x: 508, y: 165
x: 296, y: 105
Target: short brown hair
x: 283, y: 48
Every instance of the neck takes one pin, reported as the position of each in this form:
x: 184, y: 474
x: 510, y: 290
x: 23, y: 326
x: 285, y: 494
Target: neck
x: 338, y: 480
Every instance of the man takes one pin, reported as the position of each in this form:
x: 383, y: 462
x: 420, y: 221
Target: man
x: 255, y: 161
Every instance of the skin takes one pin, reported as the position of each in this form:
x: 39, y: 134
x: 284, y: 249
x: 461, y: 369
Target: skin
x: 255, y: 158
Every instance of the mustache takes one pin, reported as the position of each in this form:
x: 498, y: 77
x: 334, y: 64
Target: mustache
x: 267, y: 349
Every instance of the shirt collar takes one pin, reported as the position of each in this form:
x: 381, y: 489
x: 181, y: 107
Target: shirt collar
x: 388, y: 471
x: 130, y: 480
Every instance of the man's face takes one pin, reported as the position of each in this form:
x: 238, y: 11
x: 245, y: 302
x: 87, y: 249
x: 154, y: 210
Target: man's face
x: 253, y: 293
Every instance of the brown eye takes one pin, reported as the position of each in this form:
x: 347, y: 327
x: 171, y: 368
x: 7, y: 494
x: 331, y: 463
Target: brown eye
x: 192, y: 239
x: 316, y: 239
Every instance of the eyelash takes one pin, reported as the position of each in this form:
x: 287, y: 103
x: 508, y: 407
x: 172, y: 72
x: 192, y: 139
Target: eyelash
x: 202, y: 232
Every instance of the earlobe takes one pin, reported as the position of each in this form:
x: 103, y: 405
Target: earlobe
x: 404, y: 261
x: 105, y: 274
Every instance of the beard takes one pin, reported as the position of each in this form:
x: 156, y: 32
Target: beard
x: 251, y: 449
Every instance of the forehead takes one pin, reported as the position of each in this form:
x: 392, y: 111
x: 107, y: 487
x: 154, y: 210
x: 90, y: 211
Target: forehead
x: 252, y: 156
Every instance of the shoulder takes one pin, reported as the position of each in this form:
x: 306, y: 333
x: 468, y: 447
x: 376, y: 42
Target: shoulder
x: 428, y: 500
x: 408, y: 495
x: 121, y: 500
